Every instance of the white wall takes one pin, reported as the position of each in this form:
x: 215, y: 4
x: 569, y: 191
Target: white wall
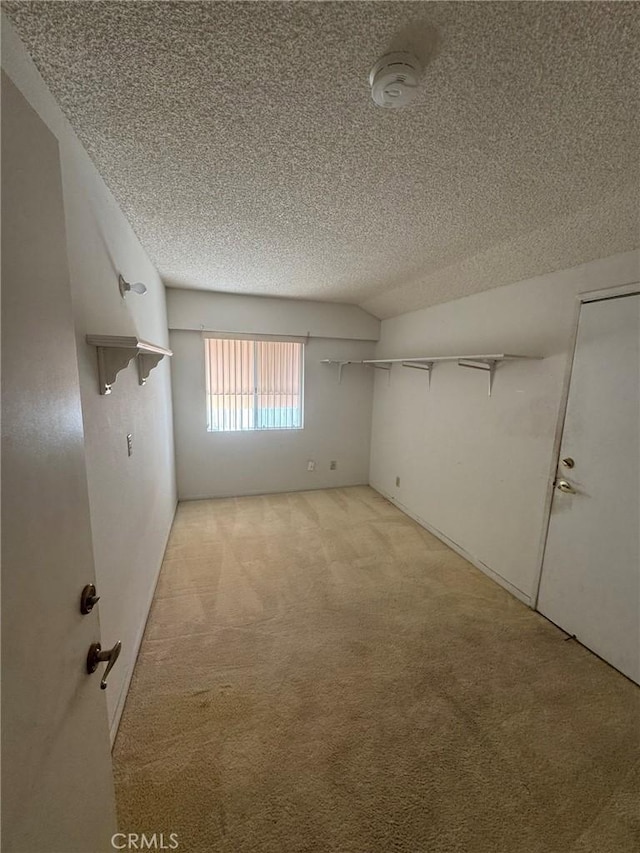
x: 337, y: 418
x: 225, y: 312
x: 132, y: 500
x: 477, y: 469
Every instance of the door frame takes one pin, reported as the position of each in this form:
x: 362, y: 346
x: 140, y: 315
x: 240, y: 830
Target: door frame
x: 600, y: 295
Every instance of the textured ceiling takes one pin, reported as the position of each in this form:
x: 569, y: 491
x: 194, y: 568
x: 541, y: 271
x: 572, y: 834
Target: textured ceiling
x: 241, y: 140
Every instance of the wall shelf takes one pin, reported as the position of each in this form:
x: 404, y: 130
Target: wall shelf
x: 116, y: 351
x: 487, y: 362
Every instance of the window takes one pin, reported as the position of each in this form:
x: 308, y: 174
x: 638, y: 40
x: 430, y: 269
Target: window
x: 253, y: 384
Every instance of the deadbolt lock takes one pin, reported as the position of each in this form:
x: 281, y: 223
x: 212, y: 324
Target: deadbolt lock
x: 568, y: 462
x: 88, y: 599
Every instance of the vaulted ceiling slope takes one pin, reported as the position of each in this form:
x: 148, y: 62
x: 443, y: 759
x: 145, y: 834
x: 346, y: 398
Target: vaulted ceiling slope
x: 242, y: 142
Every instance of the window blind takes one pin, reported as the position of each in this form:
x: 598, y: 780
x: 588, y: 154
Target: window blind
x: 253, y: 384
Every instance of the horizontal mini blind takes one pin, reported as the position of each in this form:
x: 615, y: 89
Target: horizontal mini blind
x: 253, y: 384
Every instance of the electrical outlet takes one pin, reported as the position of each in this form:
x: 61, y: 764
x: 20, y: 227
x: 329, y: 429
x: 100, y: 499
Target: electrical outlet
x: 333, y: 465
x: 129, y: 445
x: 311, y: 465
x: 397, y: 481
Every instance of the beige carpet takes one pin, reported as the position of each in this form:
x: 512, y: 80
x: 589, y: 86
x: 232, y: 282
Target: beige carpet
x: 321, y: 674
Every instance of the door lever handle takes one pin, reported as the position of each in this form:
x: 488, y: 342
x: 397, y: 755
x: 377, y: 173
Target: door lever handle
x: 98, y: 655
x: 564, y: 486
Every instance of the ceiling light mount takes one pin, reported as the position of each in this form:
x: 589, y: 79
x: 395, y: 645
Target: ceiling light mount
x: 125, y: 287
x: 394, y: 79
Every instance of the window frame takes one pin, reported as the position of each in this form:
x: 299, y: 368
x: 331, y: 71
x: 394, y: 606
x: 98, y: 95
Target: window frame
x: 256, y: 409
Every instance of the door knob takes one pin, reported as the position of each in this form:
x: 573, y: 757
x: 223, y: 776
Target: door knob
x: 98, y: 655
x: 564, y: 486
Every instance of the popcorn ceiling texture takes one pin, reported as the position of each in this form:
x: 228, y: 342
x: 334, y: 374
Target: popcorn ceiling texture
x: 241, y: 140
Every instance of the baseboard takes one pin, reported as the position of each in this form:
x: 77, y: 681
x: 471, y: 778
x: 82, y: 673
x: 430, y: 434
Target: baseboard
x: 124, y: 692
x: 503, y: 582
x: 259, y: 492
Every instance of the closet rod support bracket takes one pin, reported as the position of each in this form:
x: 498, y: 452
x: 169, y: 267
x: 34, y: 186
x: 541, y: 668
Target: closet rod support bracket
x: 488, y: 365
x: 425, y: 365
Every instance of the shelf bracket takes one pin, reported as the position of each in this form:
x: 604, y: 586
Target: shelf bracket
x: 340, y: 364
x: 426, y: 365
x: 111, y: 361
x: 488, y: 365
x: 146, y: 362
x: 115, y: 352
x: 383, y: 366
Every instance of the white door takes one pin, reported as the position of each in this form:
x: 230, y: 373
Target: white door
x: 590, y: 583
x: 57, y: 787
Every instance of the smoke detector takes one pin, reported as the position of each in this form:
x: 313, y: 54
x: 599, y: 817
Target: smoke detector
x: 394, y: 80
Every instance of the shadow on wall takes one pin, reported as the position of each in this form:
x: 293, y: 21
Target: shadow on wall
x: 419, y: 38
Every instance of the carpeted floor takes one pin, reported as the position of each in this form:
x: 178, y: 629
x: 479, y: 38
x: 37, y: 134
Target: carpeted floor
x: 319, y: 673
